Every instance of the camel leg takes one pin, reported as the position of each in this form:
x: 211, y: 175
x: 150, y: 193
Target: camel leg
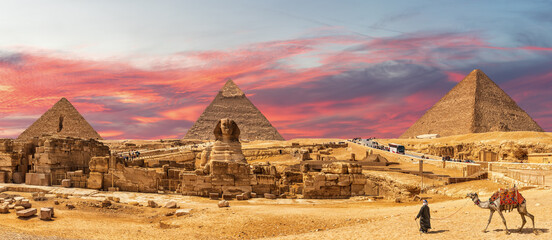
x: 504, y: 221
x: 490, y: 217
x: 523, y: 221
x: 524, y: 210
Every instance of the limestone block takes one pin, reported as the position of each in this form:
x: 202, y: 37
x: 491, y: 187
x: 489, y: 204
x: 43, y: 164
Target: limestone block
x: 4, y: 208
x: 253, y: 195
x: 219, y: 168
x: 344, y: 180
x: 214, y: 196
x: 357, y: 189
x: 269, y: 196
x: 26, y: 212
x: 235, y: 190
x: 182, y: 212
x: 227, y: 196
x: 359, y: 179
x: 95, y: 180
x: 332, y: 177
x: 45, y: 214
x: 66, y: 183
x: 99, y: 164
x: 18, y: 208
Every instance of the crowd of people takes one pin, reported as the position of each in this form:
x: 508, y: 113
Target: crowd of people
x: 130, y: 156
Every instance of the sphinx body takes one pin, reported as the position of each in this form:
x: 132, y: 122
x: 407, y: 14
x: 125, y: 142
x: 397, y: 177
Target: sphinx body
x: 227, y: 147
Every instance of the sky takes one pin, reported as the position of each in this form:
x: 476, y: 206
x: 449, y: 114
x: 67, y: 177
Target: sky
x: 148, y: 69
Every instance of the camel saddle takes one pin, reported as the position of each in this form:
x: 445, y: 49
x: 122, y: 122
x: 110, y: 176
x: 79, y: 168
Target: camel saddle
x: 509, y: 198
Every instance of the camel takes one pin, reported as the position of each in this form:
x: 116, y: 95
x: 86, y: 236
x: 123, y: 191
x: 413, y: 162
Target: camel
x: 495, y: 206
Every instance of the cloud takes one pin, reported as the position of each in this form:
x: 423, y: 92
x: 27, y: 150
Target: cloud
x: 327, y: 86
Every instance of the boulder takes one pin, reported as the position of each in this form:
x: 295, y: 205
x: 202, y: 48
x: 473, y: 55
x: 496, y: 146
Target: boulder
x: 223, y: 203
x: 4, y: 208
x: 182, y: 212
x: 95, y: 180
x: 214, y: 196
x: 152, y: 204
x: 170, y: 204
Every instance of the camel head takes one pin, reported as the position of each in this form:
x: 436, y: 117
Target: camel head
x: 472, y: 195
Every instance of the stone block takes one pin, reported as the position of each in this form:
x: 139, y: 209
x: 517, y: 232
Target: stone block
x: 182, y: 212
x: 218, y: 167
x: 269, y: 196
x: 214, y: 196
x: 227, y: 196
x: 45, y: 214
x: 95, y: 180
x: 66, y: 183
x: 18, y: 208
x: 359, y: 179
x: 26, y: 212
x: 99, y: 164
x: 344, y: 180
x: 4, y: 208
x: 39, y: 179
x: 152, y: 204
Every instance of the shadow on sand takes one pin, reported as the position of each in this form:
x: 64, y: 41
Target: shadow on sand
x: 437, y: 231
x: 525, y: 230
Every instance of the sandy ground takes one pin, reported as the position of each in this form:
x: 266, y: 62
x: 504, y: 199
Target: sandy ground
x: 356, y: 218
x: 521, y: 137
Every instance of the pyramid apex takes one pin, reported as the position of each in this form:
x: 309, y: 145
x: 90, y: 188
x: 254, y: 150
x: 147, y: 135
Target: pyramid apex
x: 230, y: 89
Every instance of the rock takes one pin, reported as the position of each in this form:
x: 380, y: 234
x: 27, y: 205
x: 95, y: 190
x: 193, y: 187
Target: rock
x: 11, y: 206
x: 4, y: 208
x: 19, y: 208
x: 223, y: 203
x: 66, y: 183
x: 56, y: 202
x: 106, y: 203
x: 239, y: 197
x: 116, y: 199
x: 26, y: 212
x: 70, y: 206
x: 269, y: 196
x: 182, y: 212
x: 52, y: 209
x: 95, y: 180
x: 253, y: 195
x: 46, y: 214
x: 170, y: 204
x: 133, y: 203
x: 227, y: 196
x: 152, y: 204
x: 214, y: 196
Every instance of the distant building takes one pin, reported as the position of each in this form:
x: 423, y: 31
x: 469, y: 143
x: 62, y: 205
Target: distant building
x: 488, y: 156
x: 539, y: 157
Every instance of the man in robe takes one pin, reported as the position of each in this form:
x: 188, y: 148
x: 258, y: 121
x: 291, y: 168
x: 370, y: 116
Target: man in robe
x: 425, y: 223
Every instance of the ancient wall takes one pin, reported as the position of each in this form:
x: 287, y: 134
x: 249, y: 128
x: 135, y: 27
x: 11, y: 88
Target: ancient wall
x: 336, y: 180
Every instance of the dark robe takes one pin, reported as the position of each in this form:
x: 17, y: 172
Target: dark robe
x: 424, y: 216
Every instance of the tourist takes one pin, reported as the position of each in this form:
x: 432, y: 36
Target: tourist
x: 424, y: 216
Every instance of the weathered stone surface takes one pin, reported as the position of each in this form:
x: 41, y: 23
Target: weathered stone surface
x: 152, y: 204
x: 223, y: 203
x: 26, y: 212
x: 99, y: 164
x: 214, y: 196
x: 269, y: 196
x: 4, y: 208
x: 46, y: 214
x: 66, y: 183
x: 95, y: 180
x: 182, y: 212
x: 171, y: 204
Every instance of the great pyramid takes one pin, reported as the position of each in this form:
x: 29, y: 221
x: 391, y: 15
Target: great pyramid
x: 474, y: 105
x: 232, y: 103
x: 61, y: 120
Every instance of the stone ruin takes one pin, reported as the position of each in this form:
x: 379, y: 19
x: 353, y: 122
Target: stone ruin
x: 224, y: 173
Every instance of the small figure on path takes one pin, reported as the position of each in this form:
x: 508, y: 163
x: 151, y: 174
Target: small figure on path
x: 425, y: 223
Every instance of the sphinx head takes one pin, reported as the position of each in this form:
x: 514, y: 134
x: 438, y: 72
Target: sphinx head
x: 227, y: 130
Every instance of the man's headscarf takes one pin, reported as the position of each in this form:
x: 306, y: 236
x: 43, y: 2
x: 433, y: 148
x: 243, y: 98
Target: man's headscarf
x: 425, y: 202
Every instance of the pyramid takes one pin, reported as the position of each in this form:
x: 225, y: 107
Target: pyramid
x: 474, y: 105
x: 61, y: 120
x: 232, y: 103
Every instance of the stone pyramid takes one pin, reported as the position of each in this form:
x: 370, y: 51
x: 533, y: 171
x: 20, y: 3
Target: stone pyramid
x: 232, y: 103
x: 474, y: 105
x: 61, y: 120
